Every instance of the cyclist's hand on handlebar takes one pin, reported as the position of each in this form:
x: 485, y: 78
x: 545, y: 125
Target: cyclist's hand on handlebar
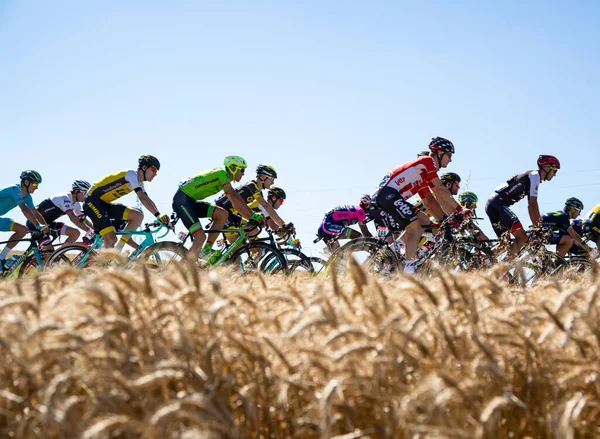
x: 257, y: 217
x: 164, y: 218
x: 43, y: 228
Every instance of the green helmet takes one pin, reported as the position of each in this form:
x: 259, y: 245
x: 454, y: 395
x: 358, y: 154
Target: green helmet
x: 149, y: 161
x: 450, y: 177
x: 32, y: 176
x: 573, y: 203
x: 277, y: 192
x: 467, y: 197
x: 234, y: 162
x: 267, y: 170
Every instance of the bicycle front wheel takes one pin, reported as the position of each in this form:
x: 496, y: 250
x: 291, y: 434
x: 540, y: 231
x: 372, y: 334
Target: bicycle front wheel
x: 372, y: 255
x: 30, y: 267
x: 260, y: 256
x: 161, y: 254
x: 75, y: 255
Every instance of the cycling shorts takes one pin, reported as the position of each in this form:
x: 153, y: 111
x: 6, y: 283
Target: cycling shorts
x: 391, y: 202
x: 330, y: 230
x: 6, y: 224
x: 502, y: 218
x: 102, y: 213
x: 190, y: 211
x: 555, y: 237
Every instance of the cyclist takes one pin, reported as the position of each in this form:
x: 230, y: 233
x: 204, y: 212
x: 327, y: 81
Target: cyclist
x: 275, y: 197
x: 20, y: 195
x: 189, y: 205
x: 67, y: 203
x: 336, y: 225
x: 418, y: 176
x: 516, y: 188
x: 468, y: 200
x: 99, y: 206
x: 564, y: 236
x: 251, y: 192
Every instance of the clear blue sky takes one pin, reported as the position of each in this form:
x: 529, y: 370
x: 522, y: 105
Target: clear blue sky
x: 333, y: 94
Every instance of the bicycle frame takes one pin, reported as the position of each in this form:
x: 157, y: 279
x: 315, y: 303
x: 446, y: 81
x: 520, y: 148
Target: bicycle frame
x: 32, y: 249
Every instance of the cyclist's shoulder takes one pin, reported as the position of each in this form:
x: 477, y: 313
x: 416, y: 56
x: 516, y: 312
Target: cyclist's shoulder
x: 12, y: 190
x: 116, y: 176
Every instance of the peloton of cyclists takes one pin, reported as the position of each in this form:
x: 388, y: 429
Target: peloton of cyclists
x: 564, y: 236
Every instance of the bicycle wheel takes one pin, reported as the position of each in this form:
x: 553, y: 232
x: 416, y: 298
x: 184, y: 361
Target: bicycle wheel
x: 297, y: 261
x: 318, y: 266
x: 372, y: 255
x: 75, y: 255
x: 577, y: 267
x: 535, y: 264
x: 465, y: 256
x: 259, y: 256
x: 160, y: 254
x: 30, y: 267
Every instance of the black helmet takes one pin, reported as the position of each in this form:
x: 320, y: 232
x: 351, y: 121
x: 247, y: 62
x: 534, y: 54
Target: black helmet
x: 32, y: 176
x: 267, y: 170
x: 450, y: 177
x: 148, y: 160
x: 277, y: 192
x: 574, y: 203
x: 441, y: 144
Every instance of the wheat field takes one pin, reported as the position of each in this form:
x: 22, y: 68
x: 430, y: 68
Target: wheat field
x: 190, y: 354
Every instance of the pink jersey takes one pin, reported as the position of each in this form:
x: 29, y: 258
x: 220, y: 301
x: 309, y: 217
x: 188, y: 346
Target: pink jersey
x: 412, y: 178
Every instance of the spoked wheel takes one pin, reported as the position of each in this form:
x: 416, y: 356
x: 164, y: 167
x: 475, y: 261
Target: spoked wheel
x: 577, y: 267
x: 298, y: 262
x: 161, y: 254
x: 74, y: 255
x: 318, y: 266
x: 374, y: 257
x: 536, y: 264
x: 30, y: 267
x: 465, y: 256
x: 259, y: 256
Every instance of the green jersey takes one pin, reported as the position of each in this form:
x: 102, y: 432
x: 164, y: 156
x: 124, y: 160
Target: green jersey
x: 205, y: 184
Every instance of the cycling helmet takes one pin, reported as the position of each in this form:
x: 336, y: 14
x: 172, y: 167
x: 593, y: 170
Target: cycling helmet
x: 32, y: 176
x: 277, y: 192
x: 365, y: 201
x: 441, y: 144
x: 149, y: 161
x: 234, y: 162
x: 450, y: 177
x: 550, y: 160
x: 573, y: 203
x: 267, y: 170
x: 467, y: 197
x: 81, y: 185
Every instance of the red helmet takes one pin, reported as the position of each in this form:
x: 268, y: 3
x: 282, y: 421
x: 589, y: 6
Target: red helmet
x: 441, y: 144
x: 550, y: 160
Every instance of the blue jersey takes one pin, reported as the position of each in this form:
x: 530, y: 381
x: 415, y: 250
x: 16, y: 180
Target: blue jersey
x: 11, y: 197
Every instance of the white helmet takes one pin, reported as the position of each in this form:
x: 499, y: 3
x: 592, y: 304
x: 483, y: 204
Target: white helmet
x: 81, y: 185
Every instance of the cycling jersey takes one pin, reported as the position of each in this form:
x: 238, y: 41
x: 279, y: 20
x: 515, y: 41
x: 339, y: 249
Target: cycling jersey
x: 205, y: 184
x: 517, y: 187
x: 337, y: 220
x: 60, y: 204
x: 558, y: 221
x: 11, y: 197
x: 249, y: 193
x: 114, y: 186
x: 414, y: 177
x: 592, y: 222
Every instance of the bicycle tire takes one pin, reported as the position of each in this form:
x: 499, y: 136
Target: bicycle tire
x: 161, y: 254
x: 29, y: 267
x: 259, y: 256
x: 463, y: 256
x: 370, y: 253
x: 75, y: 255
x: 297, y: 261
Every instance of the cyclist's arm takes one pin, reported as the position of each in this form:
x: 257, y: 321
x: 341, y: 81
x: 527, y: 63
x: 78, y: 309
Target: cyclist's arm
x: 432, y: 206
x: 443, y: 197
x: 271, y: 224
x: 32, y: 215
x: 365, y: 230
x: 148, y: 203
x: 573, y: 234
x: 272, y: 213
x: 237, y: 201
x: 75, y: 220
x: 534, y: 212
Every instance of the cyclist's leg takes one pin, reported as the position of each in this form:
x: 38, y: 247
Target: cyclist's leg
x: 132, y: 216
x: 72, y: 234
x: 564, y: 244
x: 503, y: 219
x: 19, y: 231
x: 219, y: 217
x: 329, y: 231
x: 187, y: 209
x: 97, y: 212
x: 233, y: 222
x: 406, y: 217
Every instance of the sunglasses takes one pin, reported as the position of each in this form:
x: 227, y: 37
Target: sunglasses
x: 154, y: 168
x: 34, y: 184
x: 553, y: 168
x: 242, y: 170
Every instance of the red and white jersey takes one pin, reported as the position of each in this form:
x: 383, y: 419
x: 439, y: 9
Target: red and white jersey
x: 412, y: 178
